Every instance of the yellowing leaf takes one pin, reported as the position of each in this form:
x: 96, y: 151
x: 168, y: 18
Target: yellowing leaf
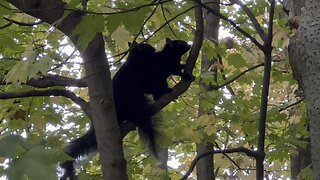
x: 56, y: 100
x: 187, y: 133
x: 38, y: 122
x: 206, y: 119
x: 18, y: 74
x: 210, y: 130
x: 121, y: 37
x: 29, y: 54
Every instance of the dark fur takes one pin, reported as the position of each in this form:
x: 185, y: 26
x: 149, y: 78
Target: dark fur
x: 164, y: 64
x: 144, y: 72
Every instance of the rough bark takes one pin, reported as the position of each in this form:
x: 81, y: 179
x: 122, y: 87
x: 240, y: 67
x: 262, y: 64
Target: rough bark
x: 104, y: 116
x: 99, y: 82
x: 302, y: 158
x: 305, y: 59
x: 205, y: 166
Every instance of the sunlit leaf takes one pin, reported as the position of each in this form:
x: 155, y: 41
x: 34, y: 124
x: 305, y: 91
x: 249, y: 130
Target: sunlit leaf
x: 88, y: 27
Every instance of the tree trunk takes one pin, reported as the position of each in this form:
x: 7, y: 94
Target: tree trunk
x: 305, y: 61
x: 302, y: 158
x: 205, y: 166
x: 104, y: 117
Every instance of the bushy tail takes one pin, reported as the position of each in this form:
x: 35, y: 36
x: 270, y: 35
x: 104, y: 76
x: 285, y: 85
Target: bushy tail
x: 149, y: 134
x: 76, y: 148
x: 83, y: 145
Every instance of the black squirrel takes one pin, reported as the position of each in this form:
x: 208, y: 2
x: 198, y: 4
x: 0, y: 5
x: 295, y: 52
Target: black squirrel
x: 144, y: 72
x: 164, y: 64
x: 130, y: 103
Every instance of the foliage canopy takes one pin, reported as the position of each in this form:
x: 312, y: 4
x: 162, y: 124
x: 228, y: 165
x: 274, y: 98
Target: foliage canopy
x: 37, y: 119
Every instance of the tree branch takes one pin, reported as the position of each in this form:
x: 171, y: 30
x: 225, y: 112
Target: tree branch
x: 6, y: 25
x: 210, y: 10
x: 237, y: 76
x: 184, y: 84
x: 253, y: 19
x: 291, y: 105
x: 63, y: 61
x: 248, y: 152
x: 153, y: 3
x: 267, y: 50
x: 53, y: 80
x: 52, y: 92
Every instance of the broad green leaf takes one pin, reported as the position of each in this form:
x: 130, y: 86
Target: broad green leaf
x: 18, y: 74
x: 236, y: 60
x: 42, y: 66
x: 113, y: 22
x: 4, y: 11
x: 17, y: 124
x: 207, y: 77
x: 132, y: 20
x: 6, y: 41
x: 306, y: 173
x: 10, y: 146
x: 209, y: 50
x: 74, y: 3
x: 89, y: 26
x: 37, y: 163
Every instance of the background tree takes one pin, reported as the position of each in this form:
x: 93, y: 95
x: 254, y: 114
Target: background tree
x: 301, y: 160
x: 42, y: 60
x: 304, y: 59
x: 205, y: 168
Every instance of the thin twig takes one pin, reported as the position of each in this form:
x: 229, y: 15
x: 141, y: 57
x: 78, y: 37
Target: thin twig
x: 291, y: 105
x: 6, y: 25
x: 140, y: 31
x: 23, y: 23
x: 237, y: 76
x: 267, y: 50
x: 165, y: 18
x: 123, y: 11
x: 248, y: 152
x: 64, y: 62
x: 253, y: 19
x: 210, y: 10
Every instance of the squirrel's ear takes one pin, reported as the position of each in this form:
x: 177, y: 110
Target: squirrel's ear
x: 168, y: 40
x: 131, y: 44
